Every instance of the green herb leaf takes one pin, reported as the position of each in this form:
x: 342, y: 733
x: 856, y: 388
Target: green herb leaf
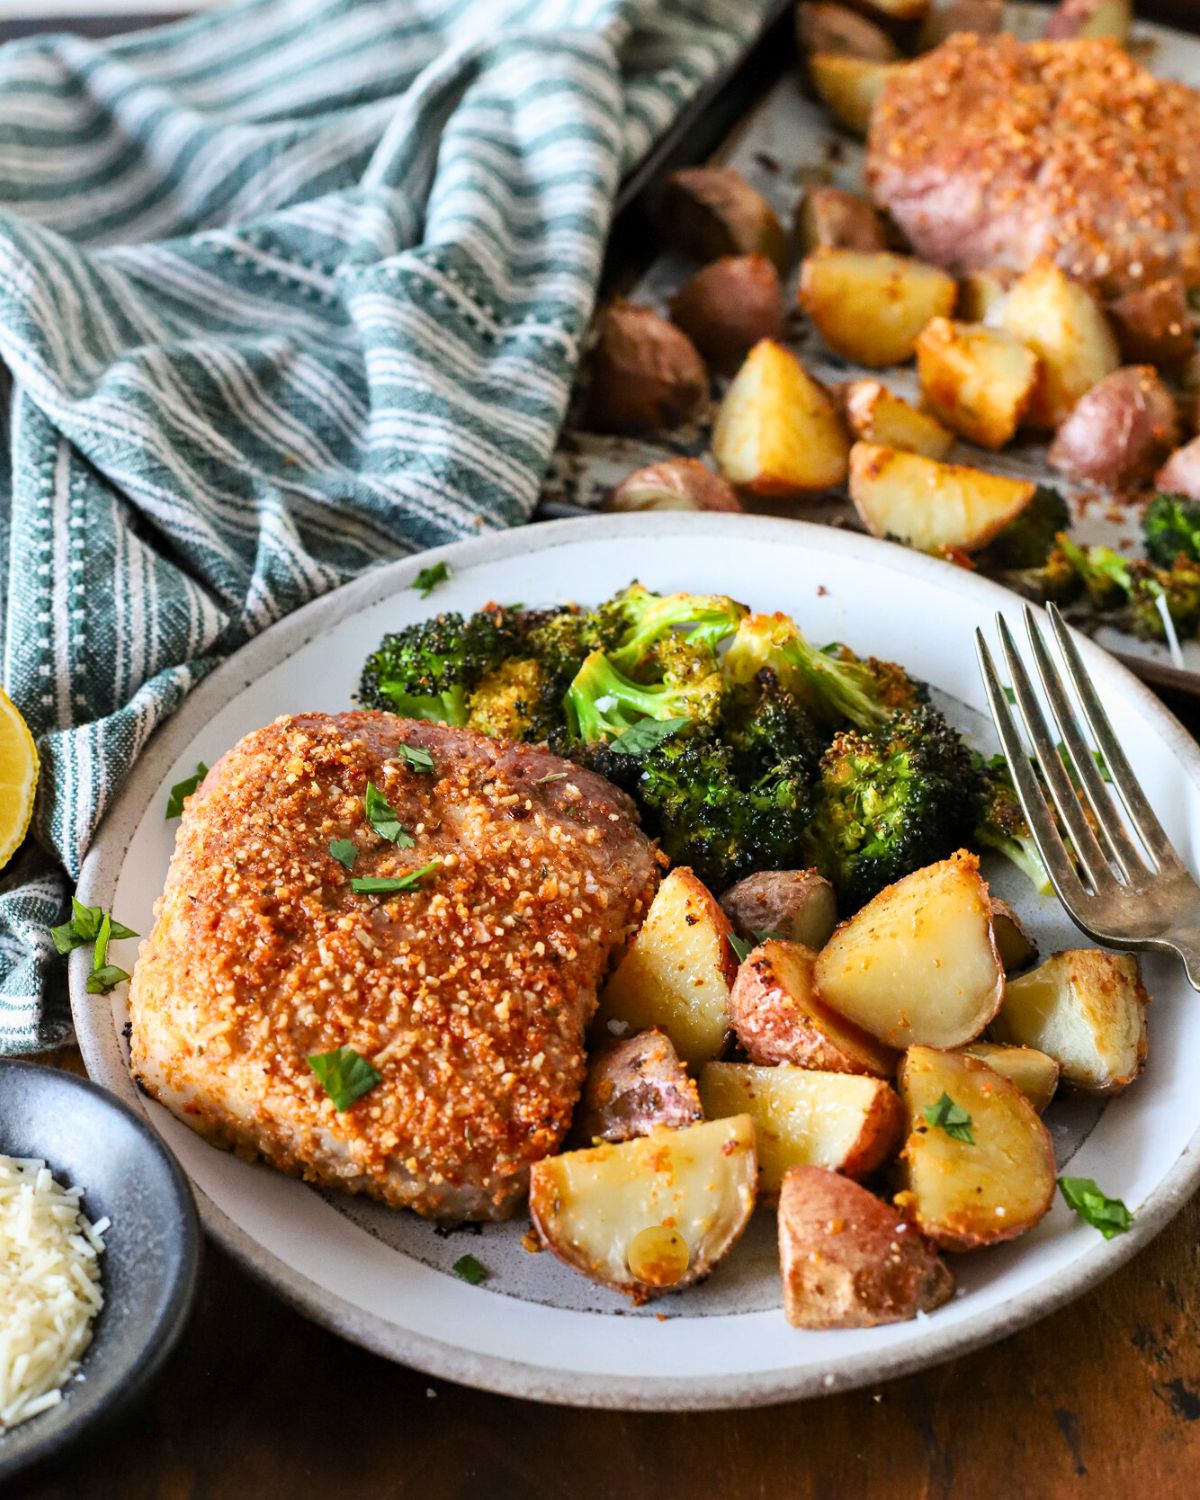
x: 951, y: 1118
x: 1010, y: 695
x: 344, y: 1074
x: 643, y: 737
x: 183, y: 789
x: 769, y: 937
x: 418, y: 759
x: 470, y: 1270
x: 1108, y: 1215
x: 84, y: 927
x: 345, y: 851
x: 104, y: 976
x: 383, y: 819
x: 380, y: 885
x: 429, y: 578
x: 741, y: 947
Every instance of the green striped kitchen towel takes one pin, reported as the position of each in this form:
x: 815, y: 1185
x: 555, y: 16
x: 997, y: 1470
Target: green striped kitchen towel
x: 286, y: 291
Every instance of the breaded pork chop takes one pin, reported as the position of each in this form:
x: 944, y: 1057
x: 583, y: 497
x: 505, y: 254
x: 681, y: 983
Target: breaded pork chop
x: 469, y: 993
x: 994, y: 152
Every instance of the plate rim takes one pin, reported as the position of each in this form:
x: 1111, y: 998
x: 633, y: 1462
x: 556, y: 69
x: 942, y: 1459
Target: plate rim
x: 98, y: 1040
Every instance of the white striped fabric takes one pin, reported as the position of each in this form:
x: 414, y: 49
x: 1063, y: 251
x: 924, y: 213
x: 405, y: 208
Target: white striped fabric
x: 286, y: 291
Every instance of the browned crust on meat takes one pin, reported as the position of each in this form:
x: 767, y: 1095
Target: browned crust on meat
x: 469, y: 994
x: 993, y: 152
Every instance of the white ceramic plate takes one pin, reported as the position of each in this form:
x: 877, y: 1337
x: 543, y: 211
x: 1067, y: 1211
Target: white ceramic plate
x: 536, y: 1329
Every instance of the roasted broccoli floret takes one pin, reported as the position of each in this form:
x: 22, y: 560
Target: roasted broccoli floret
x: 889, y: 801
x: 602, y: 702
x: 1103, y: 573
x: 1171, y: 527
x: 704, y: 619
x: 1177, y: 586
x: 426, y: 671
x: 561, y: 639
x: 834, y: 683
x: 1001, y: 824
x: 1055, y: 581
x: 709, y: 816
x: 1028, y: 541
x: 517, y: 700
x: 764, y: 724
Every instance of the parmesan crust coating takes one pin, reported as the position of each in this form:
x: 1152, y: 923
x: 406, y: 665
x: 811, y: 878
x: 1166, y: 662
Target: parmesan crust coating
x: 468, y: 993
x: 993, y: 152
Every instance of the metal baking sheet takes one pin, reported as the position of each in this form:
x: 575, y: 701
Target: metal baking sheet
x: 785, y: 144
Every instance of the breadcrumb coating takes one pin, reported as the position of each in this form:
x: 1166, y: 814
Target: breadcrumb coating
x: 469, y: 993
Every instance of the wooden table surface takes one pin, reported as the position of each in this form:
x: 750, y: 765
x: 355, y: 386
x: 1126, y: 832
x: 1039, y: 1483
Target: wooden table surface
x: 1101, y: 1399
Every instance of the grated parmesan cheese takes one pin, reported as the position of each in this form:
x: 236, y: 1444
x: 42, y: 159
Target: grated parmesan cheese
x: 49, y: 1286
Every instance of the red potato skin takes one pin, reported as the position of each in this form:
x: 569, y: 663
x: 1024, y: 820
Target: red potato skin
x: 709, y: 212
x: 839, y: 32
x: 674, y: 484
x: 1180, y: 475
x: 1119, y: 432
x: 644, y: 373
x: 728, y: 306
x: 1153, y: 324
x: 782, y: 902
x: 633, y: 1086
x: 1069, y: 18
x: 982, y: 17
x: 775, y: 1025
x: 834, y: 219
x: 881, y: 1138
x: 848, y: 1260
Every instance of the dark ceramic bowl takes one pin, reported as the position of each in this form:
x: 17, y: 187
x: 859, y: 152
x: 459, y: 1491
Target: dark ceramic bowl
x: 151, y: 1255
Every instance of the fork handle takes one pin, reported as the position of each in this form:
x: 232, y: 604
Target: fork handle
x: 1187, y: 946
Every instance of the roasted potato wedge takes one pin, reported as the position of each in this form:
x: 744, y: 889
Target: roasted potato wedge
x: 1064, y: 325
x: 777, y: 432
x: 1086, y: 1008
x: 931, y: 505
x: 643, y: 373
x: 673, y: 484
x: 1118, y: 433
x: 895, y: 10
x: 676, y: 973
x: 844, y: 1121
x: 875, y: 415
x: 982, y: 17
x: 1035, y: 1074
x: 708, y: 212
x: 918, y: 963
x: 831, y: 219
x: 778, y: 1017
x: 617, y: 1213
x: 1153, y: 324
x: 635, y: 1085
x: 1076, y: 19
x: 966, y: 1194
x: 979, y: 292
x: 978, y: 381
x: 840, y: 32
x: 848, y: 1260
x: 849, y: 87
x: 728, y: 306
x: 797, y: 905
x: 1180, y: 475
x: 1016, y: 948
x: 870, y: 306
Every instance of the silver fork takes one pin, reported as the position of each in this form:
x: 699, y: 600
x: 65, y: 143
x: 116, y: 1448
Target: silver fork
x: 1120, y: 893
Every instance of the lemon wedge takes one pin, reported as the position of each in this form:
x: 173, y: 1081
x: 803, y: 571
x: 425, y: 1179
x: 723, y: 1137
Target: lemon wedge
x: 18, y: 777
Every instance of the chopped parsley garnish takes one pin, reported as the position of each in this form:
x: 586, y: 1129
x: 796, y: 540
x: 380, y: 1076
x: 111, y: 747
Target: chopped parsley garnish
x: 417, y: 758
x: 84, y: 927
x: 345, y: 851
x: 470, y: 1270
x: 1108, y: 1215
x: 643, y: 737
x: 344, y: 1074
x: 381, y: 885
x: 383, y: 819
x: 183, y: 789
x: 951, y: 1118
x: 104, y: 976
x: 429, y: 578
